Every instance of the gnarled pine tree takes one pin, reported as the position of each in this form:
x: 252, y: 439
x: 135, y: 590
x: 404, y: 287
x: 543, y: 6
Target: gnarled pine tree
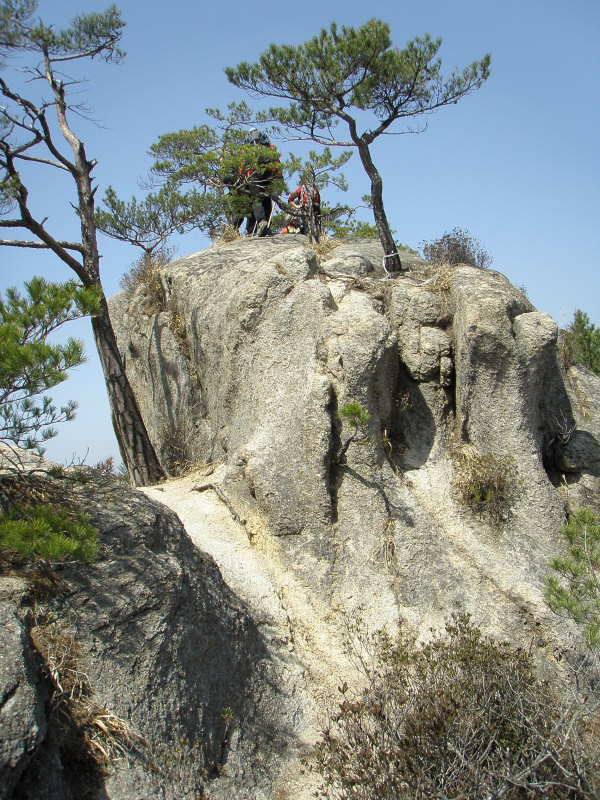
x: 343, y: 74
x: 40, y: 134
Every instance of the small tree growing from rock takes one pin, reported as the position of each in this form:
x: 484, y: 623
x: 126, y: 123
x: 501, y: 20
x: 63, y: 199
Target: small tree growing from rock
x: 47, y: 532
x: 224, y: 170
x: 348, y: 75
x: 357, y: 417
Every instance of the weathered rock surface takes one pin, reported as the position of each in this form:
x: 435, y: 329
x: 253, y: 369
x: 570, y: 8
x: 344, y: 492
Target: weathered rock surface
x: 241, y: 375
x: 23, y: 720
x: 274, y: 345
x: 166, y: 647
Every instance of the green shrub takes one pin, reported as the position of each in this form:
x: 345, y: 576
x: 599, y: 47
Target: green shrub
x: 456, y: 247
x: 461, y: 716
x: 47, y: 532
x: 354, y: 414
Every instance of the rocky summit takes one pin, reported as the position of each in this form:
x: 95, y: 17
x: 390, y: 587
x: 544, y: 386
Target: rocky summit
x: 347, y: 445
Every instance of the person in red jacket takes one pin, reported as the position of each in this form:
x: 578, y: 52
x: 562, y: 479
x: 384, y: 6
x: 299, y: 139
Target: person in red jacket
x: 300, y: 199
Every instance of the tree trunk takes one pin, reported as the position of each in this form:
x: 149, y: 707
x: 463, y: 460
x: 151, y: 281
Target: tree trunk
x: 137, y: 451
x: 313, y: 224
x: 392, y: 261
x: 136, y: 448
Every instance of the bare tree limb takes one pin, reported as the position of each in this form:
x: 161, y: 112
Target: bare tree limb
x: 40, y: 245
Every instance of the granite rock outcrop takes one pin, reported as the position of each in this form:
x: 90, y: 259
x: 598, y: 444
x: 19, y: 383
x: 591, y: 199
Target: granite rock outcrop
x: 273, y: 339
x: 221, y: 645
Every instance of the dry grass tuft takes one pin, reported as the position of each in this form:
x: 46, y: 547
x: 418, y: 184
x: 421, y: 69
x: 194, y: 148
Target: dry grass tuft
x: 89, y: 732
x: 177, y: 448
x: 145, y: 275
x: 177, y: 326
x: 323, y: 247
x: 226, y: 234
x: 441, y: 283
x: 386, y: 549
x: 483, y: 482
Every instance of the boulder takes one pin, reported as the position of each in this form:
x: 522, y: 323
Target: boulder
x: 163, y: 647
x: 23, y: 696
x: 223, y: 655
x: 451, y: 364
x: 276, y: 344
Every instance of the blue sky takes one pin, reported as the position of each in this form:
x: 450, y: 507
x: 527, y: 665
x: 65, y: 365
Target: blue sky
x: 516, y: 163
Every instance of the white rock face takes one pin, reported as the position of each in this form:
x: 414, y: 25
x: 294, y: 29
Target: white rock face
x: 269, y: 344
x: 274, y: 345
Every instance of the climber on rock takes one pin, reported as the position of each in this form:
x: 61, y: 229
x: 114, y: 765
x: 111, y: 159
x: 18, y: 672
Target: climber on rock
x: 255, y: 184
x: 307, y: 201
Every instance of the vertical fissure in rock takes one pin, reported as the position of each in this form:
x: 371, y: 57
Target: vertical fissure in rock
x: 333, y: 474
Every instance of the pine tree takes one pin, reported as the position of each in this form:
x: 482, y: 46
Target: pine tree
x: 586, y: 341
x: 148, y: 223
x: 346, y: 75
x: 30, y: 365
x: 573, y: 588
x: 207, y: 177
x: 39, y: 134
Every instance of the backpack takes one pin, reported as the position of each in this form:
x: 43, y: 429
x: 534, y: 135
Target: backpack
x: 257, y: 137
x: 301, y: 194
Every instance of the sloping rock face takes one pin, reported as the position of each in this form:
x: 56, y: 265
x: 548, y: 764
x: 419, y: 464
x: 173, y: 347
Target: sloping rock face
x: 162, y: 644
x: 270, y: 342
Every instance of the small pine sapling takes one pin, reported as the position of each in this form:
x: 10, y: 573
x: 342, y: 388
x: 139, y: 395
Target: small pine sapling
x: 357, y: 417
x: 573, y: 587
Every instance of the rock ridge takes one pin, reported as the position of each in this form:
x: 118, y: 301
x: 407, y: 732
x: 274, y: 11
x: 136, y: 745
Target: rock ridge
x: 278, y: 339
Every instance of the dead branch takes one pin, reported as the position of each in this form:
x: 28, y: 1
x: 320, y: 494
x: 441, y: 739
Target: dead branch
x: 223, y: 497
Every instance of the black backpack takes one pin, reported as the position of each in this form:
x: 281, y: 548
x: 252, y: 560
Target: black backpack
x: 257, y: 137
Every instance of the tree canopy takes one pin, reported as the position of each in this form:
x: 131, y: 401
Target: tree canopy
x: 357, y: 77
x: 148, y: 223
x: 585, y: 339
x: 206, y: 177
